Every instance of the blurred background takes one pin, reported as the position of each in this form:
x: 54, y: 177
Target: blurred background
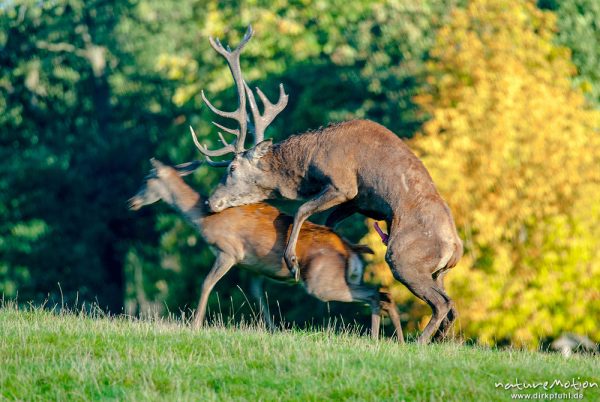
x: 499, y: 98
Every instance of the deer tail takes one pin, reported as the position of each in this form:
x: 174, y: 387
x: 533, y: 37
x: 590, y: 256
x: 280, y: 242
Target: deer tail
x: 456, y: 255
x: 450, y: 258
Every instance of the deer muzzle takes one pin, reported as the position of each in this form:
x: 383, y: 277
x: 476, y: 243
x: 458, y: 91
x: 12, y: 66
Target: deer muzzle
x: 216, y: 205
x: 134, y: 203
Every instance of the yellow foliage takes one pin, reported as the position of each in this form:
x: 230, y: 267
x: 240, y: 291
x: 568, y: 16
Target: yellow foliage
x: 516, y: 154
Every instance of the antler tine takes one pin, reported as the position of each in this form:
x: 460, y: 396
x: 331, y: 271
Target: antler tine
x: 223, y: 141
x: 229, y: 115
x: 233, y: 131
x: 194, y: 165
x: 228, y: 53
x: 245, y: 39
x: 212, y: 163
x: 261, y: 122
x: 233, y: 60
x: 228, y: 148
x: 187, y: 167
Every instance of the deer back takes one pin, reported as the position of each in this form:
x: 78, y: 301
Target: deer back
x: 257, y: 234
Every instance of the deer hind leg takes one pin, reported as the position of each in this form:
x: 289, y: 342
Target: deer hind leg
x: 415, y: 274
x: 222, y: 265
x: 370, y: 295
x: 447, y: 322
x: 325, y: 279
x: 257, y: 291
x: 388, y: 305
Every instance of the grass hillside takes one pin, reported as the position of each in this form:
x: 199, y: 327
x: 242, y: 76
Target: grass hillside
x: 46, y: 356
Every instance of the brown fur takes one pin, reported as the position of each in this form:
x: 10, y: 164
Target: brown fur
x: 255, y: 236
x: 358, y: 166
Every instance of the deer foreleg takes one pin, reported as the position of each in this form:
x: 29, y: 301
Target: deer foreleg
x: 258, y: 292
x: 328, y: 198
x: 222, y: 265
x: 388, y: 305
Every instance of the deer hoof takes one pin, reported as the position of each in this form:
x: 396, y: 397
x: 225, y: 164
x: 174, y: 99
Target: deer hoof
x: 423, y: 340
x: 292, y: 264
x: 291, y: 261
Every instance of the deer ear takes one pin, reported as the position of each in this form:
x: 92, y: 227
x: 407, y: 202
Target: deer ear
x: 187, y: 168
x: 262, y: 148
x: 156, y: 164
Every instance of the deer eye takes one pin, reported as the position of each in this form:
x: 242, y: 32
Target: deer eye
x: 232, y: 168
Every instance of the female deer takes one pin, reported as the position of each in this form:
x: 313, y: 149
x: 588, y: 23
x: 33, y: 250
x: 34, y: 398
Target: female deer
x: 254, y: 238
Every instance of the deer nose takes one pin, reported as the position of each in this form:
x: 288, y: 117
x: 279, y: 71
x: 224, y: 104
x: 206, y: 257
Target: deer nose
x: 217, y: 206
x: 134, y: 204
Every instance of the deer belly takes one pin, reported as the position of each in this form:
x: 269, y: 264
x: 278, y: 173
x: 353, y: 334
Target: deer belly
x: 267, y: 266
x: 373, y: 206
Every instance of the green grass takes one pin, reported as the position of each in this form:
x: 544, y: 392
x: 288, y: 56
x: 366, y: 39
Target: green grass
x: 46, y: 356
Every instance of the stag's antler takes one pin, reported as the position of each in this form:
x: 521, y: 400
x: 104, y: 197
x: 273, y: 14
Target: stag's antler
x: 240, y: 115
x: 233, y: 60
x: 261, y: 122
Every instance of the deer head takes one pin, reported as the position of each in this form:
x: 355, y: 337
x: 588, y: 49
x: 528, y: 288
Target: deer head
x: 245, y: 181
x: 248, y: 180
x: 155, y: 187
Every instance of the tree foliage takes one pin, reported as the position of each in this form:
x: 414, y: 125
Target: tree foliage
x: 579, y: 30
x: 89, y: 90
x: 337, y: 60
x: 77, y: 116
x: 515, y: 152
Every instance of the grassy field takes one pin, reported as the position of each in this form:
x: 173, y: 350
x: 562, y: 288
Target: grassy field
x: 46, y: 356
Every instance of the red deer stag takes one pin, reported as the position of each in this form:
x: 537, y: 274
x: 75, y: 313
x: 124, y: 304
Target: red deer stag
x: 355, y: 166
x: 254, y: 237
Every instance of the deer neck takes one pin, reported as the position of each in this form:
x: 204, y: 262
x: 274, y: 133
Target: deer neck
x: 288, y: 164
x: 185, y: 200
